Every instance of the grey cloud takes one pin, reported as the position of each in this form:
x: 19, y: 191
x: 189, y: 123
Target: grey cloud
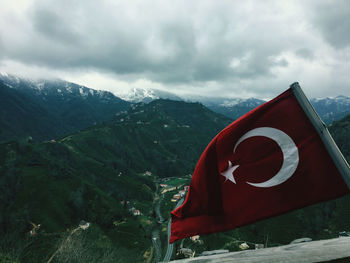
x: 52, y: 25
x: 305, y: 53
x: 190, y: 44
x: 74, y: 35
x: 333, y: 20
x: 2, y: 49
x: 78, y: 39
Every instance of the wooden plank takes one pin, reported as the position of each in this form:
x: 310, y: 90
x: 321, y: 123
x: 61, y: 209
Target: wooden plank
x: 330, y: 250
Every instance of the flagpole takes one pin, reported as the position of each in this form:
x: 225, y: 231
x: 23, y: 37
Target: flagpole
x: 323, y: 132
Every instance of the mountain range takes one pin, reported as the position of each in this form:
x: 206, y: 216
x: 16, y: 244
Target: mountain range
x: 102, y: 172
x: 330, y: 109
x: 47, y: 109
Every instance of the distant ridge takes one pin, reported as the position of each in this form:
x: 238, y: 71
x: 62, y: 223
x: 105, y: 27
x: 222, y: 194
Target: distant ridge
x: 46, y: 109
x: 147, y: 95
x: 330, y: 109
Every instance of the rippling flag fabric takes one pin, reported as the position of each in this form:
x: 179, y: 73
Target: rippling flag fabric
x: 276, y: 158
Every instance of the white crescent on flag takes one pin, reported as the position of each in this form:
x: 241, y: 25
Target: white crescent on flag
x: 289, y: 151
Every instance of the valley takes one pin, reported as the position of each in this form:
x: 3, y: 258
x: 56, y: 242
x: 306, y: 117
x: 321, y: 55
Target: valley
x: 102, y: 175
x: 103, y: 192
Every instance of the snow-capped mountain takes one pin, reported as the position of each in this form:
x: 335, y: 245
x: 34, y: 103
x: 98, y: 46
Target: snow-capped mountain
x: 232, y: 107
x: 332, y: 108
x: 147, y: 95
x: 329, y: 109
x: 59, y: 88
x: 45, y: 109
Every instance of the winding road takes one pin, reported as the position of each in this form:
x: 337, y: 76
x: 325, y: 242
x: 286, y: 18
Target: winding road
x: 170, y: 249
x: 157, y: 209
x: 156, y: 244
x: 155, y: 233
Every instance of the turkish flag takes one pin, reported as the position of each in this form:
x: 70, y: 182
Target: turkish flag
x: 276, y: 158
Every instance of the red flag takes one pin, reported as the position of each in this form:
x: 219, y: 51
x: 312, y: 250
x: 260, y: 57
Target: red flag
x: 276, y: 158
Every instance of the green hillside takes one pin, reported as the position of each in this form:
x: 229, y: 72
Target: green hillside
x: 51, y: 108
x: 49, y: 184
x: 103, y: 173
x: 98, y: 175
x: 341, y: 133
x: 165, y: 137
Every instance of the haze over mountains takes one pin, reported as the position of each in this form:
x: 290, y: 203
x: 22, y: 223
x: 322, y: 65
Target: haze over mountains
x: 46, y: 109
x: 329, y: 108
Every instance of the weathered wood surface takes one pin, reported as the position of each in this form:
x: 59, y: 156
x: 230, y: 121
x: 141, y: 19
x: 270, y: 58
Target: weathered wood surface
x: 314, y: 251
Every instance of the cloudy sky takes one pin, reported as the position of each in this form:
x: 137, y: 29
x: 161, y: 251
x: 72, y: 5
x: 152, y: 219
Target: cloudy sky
x: 212, y: 48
